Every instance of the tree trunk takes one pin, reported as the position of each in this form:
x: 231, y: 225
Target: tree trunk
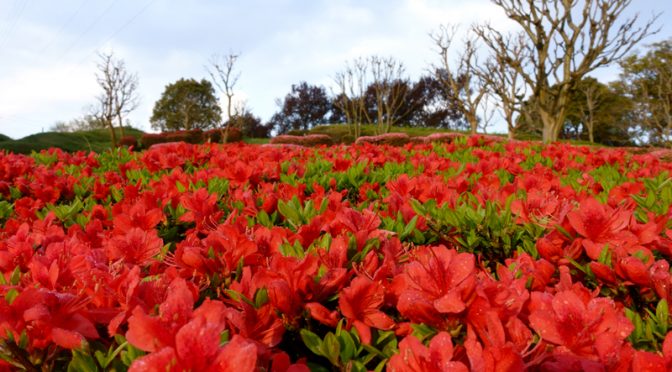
x: 113, y: 135
x: 121, y: 125
x: 473, y: 123
x: 552, y: 125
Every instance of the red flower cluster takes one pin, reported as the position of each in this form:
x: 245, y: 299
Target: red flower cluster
x: 473, y: 254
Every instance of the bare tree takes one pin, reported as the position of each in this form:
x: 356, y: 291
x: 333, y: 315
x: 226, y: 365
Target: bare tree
x: 505, y: 82
x: 222, y: 72
x: 390, y: 88
x: 460, y: 78
x: 352, y: 83
x: 567, y: 40
x: 119, y: 96
x: 589, y: 107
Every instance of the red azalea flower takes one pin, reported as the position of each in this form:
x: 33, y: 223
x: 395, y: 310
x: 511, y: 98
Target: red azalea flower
x: 48, y: 317
x: 413, y: 356
x: 579, y: 324
x: 138, y: 215
x: 262, y: 325
x: 136, y: 247
x: 289, y: 281
x: 360, y: 303
x: 150, y: 333
x: 437, y: 282
x: 198, y: 350
x: 201, y: 208
x: 600, y: 224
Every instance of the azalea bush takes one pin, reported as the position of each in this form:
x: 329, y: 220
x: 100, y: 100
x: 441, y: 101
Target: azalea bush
x: 468, y: 253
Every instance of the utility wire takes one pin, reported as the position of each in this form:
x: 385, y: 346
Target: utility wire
x: 118, y: 30
x: 8, y: 35
x: 88, y: 29
x: 63, y: 26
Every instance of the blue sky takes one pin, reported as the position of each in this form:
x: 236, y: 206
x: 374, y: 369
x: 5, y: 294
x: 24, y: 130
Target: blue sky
x: 48, y: 48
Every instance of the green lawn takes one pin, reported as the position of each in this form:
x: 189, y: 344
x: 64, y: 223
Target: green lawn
x: 94, y: 140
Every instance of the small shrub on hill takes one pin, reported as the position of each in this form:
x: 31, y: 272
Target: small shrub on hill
x: 128, y: 141
x: 392, y: 139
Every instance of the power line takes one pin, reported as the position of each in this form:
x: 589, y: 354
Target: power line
x: 11, y: 14
x: 63, y: 26
x: 119, y: 30
x: 89, y: 28
x: 130, y: 20
x: 10, y: 30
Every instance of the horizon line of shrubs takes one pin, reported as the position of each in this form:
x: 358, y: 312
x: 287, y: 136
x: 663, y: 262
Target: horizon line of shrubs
x: 193, y: 136
x: 392, y: 139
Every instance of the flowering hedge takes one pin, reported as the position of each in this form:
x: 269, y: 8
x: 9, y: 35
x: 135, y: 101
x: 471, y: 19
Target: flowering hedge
x: 194, y: 136
x: 305, y: 140
x: 469, y: 255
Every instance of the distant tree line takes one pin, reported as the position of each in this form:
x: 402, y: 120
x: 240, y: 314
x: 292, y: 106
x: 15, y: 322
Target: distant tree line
x: 536, y: 79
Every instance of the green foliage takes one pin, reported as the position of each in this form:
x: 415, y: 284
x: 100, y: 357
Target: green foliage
x: 92, y: 140
x: 344, y: 350
x: 489, y: 231
x: 187, y: 104
x: 650, y: 330
x: 647, y: 81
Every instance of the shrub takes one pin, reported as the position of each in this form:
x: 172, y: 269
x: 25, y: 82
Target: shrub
x: 662, y: 154
x: 194, y: 136
x: 443, y: 137
x: 213, y: 135
x: 297, y: 132
x: 149, y: 139
x: 234, y: 135
x: 128, y: 141
x: 316, y: 140
x: 484, y: 140
x: 285, y: 139
x: 309, y: 140
x: 216, y: 135
x: 392, y: 139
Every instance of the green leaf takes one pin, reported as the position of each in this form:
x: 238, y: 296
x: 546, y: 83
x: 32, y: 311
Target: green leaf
x: 348, y: 348
x: 331, y: 348
x: 81, y: 362
x: 662, y: 314
x: 16, y: 276
x: 263, y: 219
x: 260, y: 298
x: 23, y: 340
x: 409, y: 228
x: 224, y: 337
x: 11, y: 295
x: 605, y: 256
x: 130, y: 354
x: 312, y: 341
x: 422, y: 331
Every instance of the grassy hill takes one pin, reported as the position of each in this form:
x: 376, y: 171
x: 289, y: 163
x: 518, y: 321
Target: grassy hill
x: 93, y: 140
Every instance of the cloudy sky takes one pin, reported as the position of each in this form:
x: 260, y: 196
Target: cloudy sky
x: 48, y: 48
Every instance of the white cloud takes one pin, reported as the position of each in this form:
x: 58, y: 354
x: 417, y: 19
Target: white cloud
x: 47, y: 67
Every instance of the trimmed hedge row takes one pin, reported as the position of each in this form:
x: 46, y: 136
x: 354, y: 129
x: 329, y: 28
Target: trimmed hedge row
x: 392, y: 139
x: 307, y: 140
x: 194, y: 136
